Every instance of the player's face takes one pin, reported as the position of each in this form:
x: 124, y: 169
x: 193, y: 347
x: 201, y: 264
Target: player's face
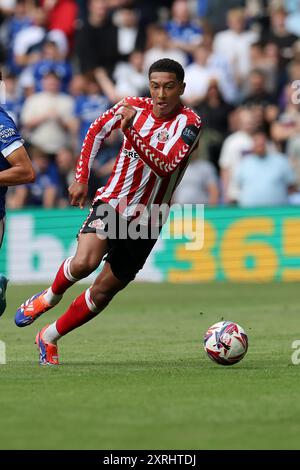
x: 165, y: 91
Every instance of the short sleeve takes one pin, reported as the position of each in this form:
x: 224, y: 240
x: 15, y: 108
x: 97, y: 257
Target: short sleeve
x: 7, y: 151
x: 10, y: 139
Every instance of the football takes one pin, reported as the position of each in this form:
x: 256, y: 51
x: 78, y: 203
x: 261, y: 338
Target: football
x: 226, y: 343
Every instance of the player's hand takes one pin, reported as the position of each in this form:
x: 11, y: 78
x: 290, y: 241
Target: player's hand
x: 128, y: 114
x: 78, y: 194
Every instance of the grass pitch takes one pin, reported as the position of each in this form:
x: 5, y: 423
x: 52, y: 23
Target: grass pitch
x: 137, y: 376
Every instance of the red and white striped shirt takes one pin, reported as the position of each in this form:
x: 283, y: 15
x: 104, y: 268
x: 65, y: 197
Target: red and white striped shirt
x: 152, y: 159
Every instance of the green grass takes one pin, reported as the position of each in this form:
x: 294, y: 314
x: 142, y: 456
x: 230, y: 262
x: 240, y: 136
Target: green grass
x: 137, y: 377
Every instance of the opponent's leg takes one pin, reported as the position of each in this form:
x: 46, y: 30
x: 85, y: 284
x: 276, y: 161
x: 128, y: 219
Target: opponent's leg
x: 90, y: 251
x: 88, y: 305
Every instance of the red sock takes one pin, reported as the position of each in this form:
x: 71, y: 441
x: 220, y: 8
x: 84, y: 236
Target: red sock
x: 80, y: 311
x: 63, y: 279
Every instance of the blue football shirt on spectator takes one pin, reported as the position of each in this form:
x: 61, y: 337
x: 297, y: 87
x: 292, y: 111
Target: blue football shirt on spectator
x: 87, y: 109
x: 61, y: 68
x: 15, y: 25
x: 189, y: 32
x: 10, y: 140
x: 202, y: 7
x: 42, y: 182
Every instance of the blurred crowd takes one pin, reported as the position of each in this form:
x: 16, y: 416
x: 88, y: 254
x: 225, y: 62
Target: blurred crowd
x: 65, y: 62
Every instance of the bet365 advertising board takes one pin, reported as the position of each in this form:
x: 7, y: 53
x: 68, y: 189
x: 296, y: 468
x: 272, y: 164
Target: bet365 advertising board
x: 196, y: 245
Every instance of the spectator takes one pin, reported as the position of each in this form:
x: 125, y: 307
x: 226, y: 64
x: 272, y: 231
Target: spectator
x: 279, y: 35
x: 215, y: 11
x: 214, y: 112
x: 264, y: 179
x: 150, y: 12
x: 234, y: 44
x: 258, y: 13
x: 254, y: 70
x: 257, y: 58
x: 28, y: 42
x: 59, y: 38
x: 266, y: 59
x: 292, y: 23
x: 262, y: 103
x: 199, y: 185
x: 234, y: 148
x: 52, y: 60
x: 88, y: 107
x: 13, y: 98
x: 130, y: 35
x: 18, y: 20
x: 65, y: 162
x: 185, y: 34
x: 77, y: 85
x: 43, y: 191
x: 46, y: 116
x: 274, y: 67
x: 201, y: 72
x: 26, y: 84
x: 160, y: 47
x: 130, y: 79
x: 229, y: 85
x: 287, y: 125
x: 61, y: 15
x: 97, y: 30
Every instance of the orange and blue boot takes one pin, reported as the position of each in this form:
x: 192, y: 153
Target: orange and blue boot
x: 48, y: 351
x: 31, y: 309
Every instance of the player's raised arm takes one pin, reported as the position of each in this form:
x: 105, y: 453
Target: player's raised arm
x: 180, y: 146
x: 21, y: 170
x: 99, y: 130
x: 165, y: 88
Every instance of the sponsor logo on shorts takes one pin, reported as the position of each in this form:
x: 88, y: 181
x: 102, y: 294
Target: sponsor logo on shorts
x: 98, y: 224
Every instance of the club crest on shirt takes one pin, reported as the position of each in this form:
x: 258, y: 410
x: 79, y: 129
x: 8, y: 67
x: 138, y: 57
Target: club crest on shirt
x: 163, y: 136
